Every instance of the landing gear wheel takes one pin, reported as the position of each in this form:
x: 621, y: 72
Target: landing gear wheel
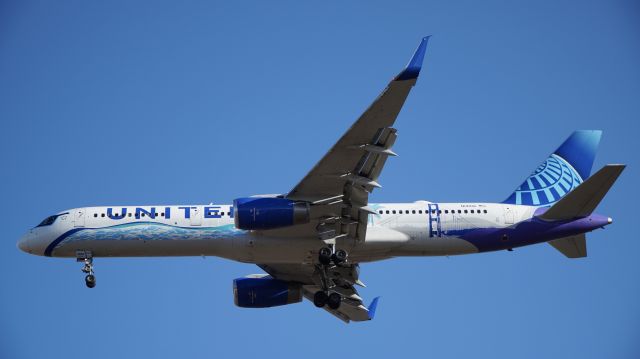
x: 334, y: 300
x: 324, y: 255
x: 339, y: 256
x: 90, y: 280
x: 86, y: 257
x: 320, y: 299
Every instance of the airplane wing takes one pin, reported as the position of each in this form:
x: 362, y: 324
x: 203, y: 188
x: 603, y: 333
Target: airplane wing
x: 338, y: 188
x: 346, y: 175
x: 342, y: 279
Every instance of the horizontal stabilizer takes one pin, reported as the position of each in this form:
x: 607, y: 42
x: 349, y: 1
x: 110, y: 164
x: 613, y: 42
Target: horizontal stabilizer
x: 584, y: 199
x: 572, y: 247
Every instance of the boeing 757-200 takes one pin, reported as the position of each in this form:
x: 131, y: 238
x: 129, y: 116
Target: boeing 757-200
x: 311, y: 240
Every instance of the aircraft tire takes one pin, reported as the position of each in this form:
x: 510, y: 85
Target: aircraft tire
x: 320, y: 299
x: 324, y: 255
x: 339, y: 256
x: 334, y: 300
x: 90, y: 280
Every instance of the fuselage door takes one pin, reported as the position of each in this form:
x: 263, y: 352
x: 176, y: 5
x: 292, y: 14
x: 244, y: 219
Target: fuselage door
x: 196, y: 216
x: 509, y: 215
x: 79, y: 217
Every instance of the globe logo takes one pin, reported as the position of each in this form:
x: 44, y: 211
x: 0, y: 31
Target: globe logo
x: 554, y: 178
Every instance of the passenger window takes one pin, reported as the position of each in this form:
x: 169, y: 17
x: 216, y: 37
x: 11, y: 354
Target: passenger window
x: 459, y: 211
x: 446, y: 211
x: 465, y: 211
x: 420, y: 211
x: 414, y: 211
x: 102, y: 215
x: 472, y: 211
x: 485, y: 211
x: 129, y: 214
x: 394, y: 211
x: 95, y: 215
x: 439, y: 211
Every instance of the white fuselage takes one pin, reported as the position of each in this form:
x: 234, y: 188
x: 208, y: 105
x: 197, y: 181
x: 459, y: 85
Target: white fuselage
x: 398, y: 229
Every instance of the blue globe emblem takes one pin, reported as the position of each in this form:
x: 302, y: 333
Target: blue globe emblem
x: 554, y: 178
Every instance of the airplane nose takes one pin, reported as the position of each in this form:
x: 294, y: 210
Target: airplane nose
x: 23, y: 244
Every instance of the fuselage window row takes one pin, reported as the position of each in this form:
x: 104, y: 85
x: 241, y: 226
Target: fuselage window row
x: 433, y: 211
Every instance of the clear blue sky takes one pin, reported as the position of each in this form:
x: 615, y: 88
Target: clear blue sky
x: 120, y: 102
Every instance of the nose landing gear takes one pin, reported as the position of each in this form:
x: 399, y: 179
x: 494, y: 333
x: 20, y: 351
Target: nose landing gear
x: 87, y: 258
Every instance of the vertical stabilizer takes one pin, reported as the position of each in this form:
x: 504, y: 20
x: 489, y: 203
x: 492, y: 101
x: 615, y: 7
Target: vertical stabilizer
x: 561, y: 172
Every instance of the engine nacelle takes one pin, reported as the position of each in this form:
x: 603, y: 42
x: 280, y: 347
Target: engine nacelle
x: 269, y: 213
x: 264, y: 292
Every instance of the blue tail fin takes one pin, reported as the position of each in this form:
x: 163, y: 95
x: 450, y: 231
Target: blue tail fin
x: 563, y: 171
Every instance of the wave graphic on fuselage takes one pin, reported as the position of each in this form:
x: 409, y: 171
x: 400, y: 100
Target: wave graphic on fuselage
x: 148, y: 231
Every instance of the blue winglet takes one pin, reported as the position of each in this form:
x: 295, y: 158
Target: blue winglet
x: 372, y: 307
x: 413, y: 68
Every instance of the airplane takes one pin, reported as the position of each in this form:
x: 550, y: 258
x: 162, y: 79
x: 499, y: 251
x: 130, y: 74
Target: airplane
x: 311, y: 241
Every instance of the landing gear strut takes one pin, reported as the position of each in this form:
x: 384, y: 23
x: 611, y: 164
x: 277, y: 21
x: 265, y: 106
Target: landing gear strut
x: 87, y: 258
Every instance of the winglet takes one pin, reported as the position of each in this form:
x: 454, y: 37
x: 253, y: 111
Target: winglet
x: 372, y: 307
x: 413, y: 67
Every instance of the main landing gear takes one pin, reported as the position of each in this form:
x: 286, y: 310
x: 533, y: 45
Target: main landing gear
x: 327, y: 256
x: 87, y: 258
x: 321, y: 298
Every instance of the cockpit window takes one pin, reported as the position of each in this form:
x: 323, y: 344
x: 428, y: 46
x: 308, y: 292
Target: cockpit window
x: 49, y: 220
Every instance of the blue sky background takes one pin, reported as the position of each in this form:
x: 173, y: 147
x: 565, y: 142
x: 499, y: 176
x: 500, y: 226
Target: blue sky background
x: 125, y: 102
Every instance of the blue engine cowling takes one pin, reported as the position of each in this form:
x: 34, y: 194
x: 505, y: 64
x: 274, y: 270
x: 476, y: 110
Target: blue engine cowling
x: 264, y: 292
x: 268, y: 213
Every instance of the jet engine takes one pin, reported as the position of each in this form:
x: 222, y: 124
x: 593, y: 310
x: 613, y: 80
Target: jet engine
x: 269, y: 213
x: 264, y: 292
